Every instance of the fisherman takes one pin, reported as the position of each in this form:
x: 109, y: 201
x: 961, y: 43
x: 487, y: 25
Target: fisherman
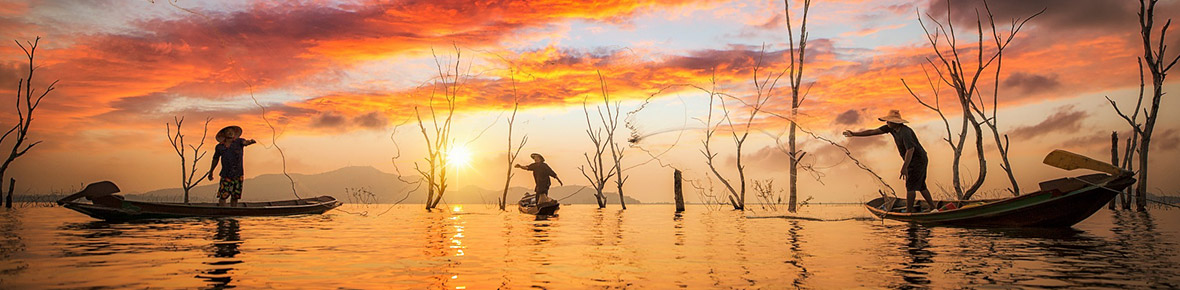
x: 229, y: 152
x: 541, y: 173
x: 913, y: 168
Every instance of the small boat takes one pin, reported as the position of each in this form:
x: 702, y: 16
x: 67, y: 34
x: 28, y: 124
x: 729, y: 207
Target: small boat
x: 528, y: 205
x: 105, y: 205
x: 1059, y: 203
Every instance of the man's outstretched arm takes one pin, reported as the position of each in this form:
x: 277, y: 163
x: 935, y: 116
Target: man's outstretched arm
x: 862, y: 133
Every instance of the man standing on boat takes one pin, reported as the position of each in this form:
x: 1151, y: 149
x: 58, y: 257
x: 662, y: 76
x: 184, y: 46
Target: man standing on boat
x: 229, y: 152
x: 541, y: 173
x: 913, y: 167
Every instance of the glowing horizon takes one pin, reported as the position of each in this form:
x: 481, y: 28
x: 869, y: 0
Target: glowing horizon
x: 339, y: 80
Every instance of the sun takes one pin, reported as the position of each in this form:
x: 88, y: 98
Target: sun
x: 459, y: 156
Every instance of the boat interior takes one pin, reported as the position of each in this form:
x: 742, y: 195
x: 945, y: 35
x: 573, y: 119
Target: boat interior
x: 1065, y: 184
x: 257, y: 204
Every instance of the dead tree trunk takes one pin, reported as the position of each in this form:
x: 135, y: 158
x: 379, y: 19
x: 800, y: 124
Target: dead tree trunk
x: 1136, y: 132
x: 1002, y: 145
x: 707, y: 151
x: 603, y: 139
x: 597, y: 173
x: 24, y: 112
x: 11, y: 187
x: 796, y: 78
x: 611, y: 122
x: 438, y: 138
x: 188, y: 173
x: 764, y: 87
x: 512, y: 155
x: 1158, y: 65
x: 951, y: 71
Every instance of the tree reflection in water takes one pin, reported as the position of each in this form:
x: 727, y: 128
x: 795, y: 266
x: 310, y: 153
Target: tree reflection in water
x: 794, y: 238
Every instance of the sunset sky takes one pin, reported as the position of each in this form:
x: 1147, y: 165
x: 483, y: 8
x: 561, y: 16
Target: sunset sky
x: 338, y: 79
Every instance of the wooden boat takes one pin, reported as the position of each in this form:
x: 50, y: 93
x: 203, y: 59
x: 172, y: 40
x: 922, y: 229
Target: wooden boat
x: 528, y: 206
x: 104, y: 204
x: 1059, y: 203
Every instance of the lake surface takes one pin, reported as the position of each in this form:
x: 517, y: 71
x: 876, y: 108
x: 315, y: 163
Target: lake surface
x: 643, y: 247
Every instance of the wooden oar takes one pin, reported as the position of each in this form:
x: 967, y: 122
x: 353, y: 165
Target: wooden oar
x: 1070, y: 161
x: 93, y: 190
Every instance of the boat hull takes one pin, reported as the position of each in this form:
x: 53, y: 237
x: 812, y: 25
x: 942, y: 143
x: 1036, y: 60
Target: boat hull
x: 133, y: 210
x: 1060, y: 205
x: 550, y: 209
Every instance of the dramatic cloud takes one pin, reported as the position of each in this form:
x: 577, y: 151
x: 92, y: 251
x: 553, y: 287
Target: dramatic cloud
x: 849, y: 117
x: 1059, y: 14
x: 1066, y: 119
x: 328, y: 120
x: 1028, y: 83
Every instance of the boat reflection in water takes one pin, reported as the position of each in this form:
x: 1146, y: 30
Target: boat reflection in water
x: 226, y: 242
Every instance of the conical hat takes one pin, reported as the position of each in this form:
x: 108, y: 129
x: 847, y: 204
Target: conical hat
x: 893, y: 117
x: 224, y: 131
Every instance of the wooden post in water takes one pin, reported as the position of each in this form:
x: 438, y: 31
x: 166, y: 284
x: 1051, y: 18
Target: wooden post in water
x: 1114, y: 159
x: 677, y: 186
x: 11, y: 186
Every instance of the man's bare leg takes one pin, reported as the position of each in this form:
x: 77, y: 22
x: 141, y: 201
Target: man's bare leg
x: 220, y: 202
x: 233, y: 202
x: 929, y: 200
x: 909, y: 201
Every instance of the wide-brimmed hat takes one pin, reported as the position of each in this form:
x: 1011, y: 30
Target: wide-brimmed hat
x: 893, y: 117
x: 538, y: 155
x: 221, y: 133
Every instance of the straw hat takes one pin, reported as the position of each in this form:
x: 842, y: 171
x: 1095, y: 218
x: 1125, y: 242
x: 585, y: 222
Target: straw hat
x: 224, y: 131
x: 893, y: 117
x: 538, y: 155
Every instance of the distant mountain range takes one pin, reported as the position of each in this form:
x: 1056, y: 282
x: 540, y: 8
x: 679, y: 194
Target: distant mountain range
x: 359, y: 184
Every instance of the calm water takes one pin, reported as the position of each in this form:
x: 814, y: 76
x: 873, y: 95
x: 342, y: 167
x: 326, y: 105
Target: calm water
x: 644, y: 247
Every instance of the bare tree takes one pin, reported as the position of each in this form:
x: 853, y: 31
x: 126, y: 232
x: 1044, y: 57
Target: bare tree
x: 598, y: 173
x: 24, y: 112
x: 1001, y: 42
x: 795, y: 74
x: 611, y: 122
x: 764, y: 87
x: 512, y: 154
x: 710, y: 129
x: 1132, y: 142
x: 1158, y: 65
x: 964, y: 81
x: 188, y: 173
x: 438, y: 138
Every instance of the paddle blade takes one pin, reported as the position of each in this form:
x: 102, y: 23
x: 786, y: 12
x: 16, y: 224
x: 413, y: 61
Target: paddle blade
x: 94, y: 190
x: 1070, y: 161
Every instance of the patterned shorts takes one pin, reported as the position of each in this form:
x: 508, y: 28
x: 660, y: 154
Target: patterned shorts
x: 230, y: 186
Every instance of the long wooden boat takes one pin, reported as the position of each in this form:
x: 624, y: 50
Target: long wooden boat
x: 1060, y: 203
x: 527, y: 206
x: 104, y: 204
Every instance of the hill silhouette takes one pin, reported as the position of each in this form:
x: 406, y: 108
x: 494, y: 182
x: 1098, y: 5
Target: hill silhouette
x: 345, y: 184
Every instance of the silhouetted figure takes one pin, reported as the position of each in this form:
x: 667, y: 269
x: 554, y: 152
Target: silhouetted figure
x: 229, y: 152
x: 541, y: 173
x: 913, y: 169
